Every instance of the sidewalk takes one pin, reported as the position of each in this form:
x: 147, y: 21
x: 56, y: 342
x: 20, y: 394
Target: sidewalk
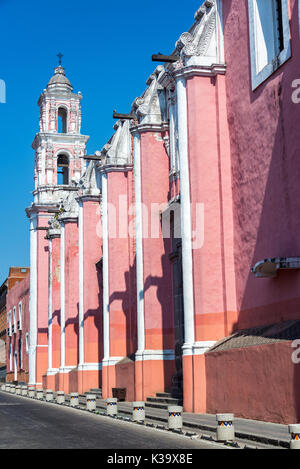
x: 263, y: 432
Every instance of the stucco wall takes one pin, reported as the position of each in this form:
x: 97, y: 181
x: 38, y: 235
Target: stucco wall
x: 265, y: 146
x: 259, y: 382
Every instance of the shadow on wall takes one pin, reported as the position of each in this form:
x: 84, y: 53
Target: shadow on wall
x: 128, y: 298
x: 265, y: 145
x: 164, y: 294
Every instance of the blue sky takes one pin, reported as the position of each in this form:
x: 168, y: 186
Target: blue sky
x: 107, y: 49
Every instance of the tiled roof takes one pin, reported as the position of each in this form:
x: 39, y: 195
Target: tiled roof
x: 285, y: 331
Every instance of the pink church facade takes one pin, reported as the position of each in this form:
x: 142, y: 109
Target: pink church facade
x: 169, y: 260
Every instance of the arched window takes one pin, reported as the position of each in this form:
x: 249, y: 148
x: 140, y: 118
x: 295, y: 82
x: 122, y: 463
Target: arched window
x: 62, y: 170
x: 62, y: 120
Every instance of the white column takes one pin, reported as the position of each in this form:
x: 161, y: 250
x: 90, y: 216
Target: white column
x: 173, y: 148
x: 105, y: 267
x: 62, y: 298
x: 81, y: 280
x: 186, y: 224
x: 50, y: 307
x: 16, y: 365
x: 33, y: 300
x: 139, y: 246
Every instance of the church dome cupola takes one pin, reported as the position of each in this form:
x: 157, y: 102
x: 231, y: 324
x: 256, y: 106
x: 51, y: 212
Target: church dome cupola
x: 59, y: 80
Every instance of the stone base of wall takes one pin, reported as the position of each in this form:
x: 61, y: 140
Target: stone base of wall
x: 22, y: 377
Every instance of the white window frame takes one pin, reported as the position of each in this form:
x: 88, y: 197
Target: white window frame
x: 20, y: 344
x: 283, y: 56
x: 10, y: 357
x: 16, y: 365
x: 299, y: 15
x: 27, y: 342
x: 15, y: 318
x: 9, y: 323
x: 20, y: 315
x: 173, y: 134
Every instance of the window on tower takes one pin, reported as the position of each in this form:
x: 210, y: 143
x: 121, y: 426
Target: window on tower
x: 62, y: 120
x: 62, y: 170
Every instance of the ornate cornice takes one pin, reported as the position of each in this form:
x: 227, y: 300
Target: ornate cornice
x: 142, y: 128
x: 68, y: 206
x: 109, y: 168
x: 39, y: 208
x: 54, y: 228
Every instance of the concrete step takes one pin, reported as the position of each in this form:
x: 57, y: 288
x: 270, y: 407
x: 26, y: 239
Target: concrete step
x: 162, y: 400
x: 164, y: 394
x: 96, y: 392
x: 156, y: 405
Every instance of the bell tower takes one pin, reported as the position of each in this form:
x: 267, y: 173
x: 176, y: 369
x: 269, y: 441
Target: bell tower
x: 59, y: 144
x: 58, y: 147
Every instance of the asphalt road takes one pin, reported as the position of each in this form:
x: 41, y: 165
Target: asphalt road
x: 26, y: 423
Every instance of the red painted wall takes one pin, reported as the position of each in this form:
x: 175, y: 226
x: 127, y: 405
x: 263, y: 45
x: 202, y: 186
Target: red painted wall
x: 265, y: 145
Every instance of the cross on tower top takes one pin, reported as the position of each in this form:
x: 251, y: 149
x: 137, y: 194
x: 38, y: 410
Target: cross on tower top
x: 59, y: 55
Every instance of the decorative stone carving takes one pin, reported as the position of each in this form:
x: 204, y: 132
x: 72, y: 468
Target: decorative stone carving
x: 166, y: 140
x: 197, y: 42
x: 69, y: 204
x: 151, y: 107
x: 118, y: 150
x: 88, y: 183
x: 54, y: 227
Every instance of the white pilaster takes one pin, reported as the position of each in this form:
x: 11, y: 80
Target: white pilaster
x: 139, y: 245
x: 186, y: 223
x: 50, y: 307
x: 105, y: 267
x: 81, y: 280
x: 62, y: 298
x: 33, y: 300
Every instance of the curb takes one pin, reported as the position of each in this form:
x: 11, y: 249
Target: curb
x: 255, y: 437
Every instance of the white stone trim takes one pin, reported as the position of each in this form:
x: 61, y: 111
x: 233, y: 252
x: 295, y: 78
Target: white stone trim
x: 62, y: 297
x: 220, y: 32
x: 149, y: 355
x: 185, y: 210
x: 81, y: 280
x: 105, y: 268
x: 139, y: 244
x: 200, y: 71
x: 50, y: 306
x: 299, y: 16
x: 20, y: 308
x: 90, y: 367
x: 111, y: 361
x: 16, y: 365
x: 33, y: 301
x: 10, y: 356
x: 52, y: 371
x: 197, y: 348
x: 66, y: 369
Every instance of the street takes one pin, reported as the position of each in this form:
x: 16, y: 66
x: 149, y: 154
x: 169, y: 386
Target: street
x: 30, y: 424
